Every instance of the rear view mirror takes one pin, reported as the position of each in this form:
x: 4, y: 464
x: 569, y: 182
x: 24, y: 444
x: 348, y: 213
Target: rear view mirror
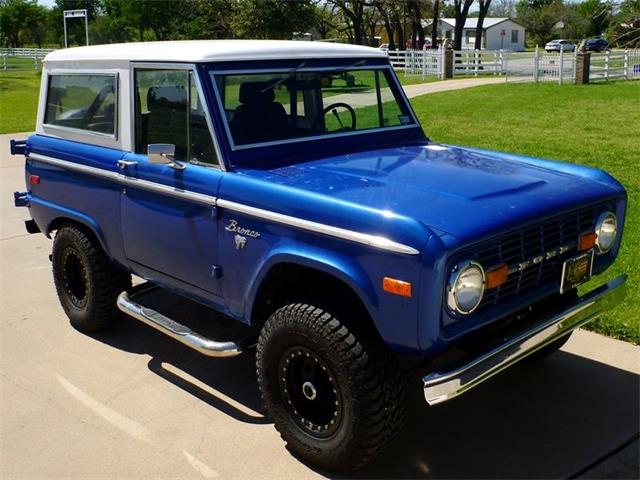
x: 163, y: 154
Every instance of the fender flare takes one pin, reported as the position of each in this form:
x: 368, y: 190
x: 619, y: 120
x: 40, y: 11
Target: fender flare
x: 59, y: 214
x: 343, y: 269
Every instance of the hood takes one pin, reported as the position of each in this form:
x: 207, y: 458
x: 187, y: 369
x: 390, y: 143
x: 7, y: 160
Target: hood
x: 465, y: 193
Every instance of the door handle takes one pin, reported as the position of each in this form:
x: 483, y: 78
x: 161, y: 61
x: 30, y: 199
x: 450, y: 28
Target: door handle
x: 126, y: 163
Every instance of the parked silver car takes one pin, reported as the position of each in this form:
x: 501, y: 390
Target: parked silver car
x: 560, y: 44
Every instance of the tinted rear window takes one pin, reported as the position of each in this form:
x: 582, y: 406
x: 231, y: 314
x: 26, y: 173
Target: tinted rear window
x: 84, y: 102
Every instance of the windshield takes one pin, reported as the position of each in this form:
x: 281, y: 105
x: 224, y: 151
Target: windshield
x: 270, y: 107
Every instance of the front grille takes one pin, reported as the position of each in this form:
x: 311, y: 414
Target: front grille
x: 530, y: 242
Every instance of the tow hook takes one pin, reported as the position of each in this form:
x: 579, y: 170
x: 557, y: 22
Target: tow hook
x: 18, y: 147
x: 21, y: 199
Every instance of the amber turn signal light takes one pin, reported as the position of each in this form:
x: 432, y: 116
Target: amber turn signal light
x: 587, y: 241
x: 497, y: 276
x: 397, y: 287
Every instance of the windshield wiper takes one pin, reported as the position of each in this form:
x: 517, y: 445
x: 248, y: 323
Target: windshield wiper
x: 359, y: 63
x: 295, y: 71
x: 292, y: 74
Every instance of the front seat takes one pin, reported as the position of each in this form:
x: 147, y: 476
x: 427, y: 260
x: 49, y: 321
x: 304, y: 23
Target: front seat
x: 258, y: 118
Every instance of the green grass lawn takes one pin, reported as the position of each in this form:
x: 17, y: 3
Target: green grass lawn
x: 414, y: 79
x: 596, y: 125
x: 18, y: 100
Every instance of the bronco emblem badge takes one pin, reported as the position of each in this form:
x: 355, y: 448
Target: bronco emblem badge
x: 240, y: 241
x: 233, y: 226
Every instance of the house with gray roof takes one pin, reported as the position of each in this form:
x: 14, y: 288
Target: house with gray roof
x: 497, y: 33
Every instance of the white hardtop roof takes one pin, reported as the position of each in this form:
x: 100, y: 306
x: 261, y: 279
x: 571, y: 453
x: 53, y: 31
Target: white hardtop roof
x: 193, y: 51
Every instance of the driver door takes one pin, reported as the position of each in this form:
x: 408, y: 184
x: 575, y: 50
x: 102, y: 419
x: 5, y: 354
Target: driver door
x: 168, y: 211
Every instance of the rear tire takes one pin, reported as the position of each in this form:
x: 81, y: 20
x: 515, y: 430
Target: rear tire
x: 336, y: 397
x: 86, y: 281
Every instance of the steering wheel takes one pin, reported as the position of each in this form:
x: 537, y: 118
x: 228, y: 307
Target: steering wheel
x: 332, y: 108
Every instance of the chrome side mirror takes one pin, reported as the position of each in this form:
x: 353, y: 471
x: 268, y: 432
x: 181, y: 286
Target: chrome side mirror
x: 163, y: 154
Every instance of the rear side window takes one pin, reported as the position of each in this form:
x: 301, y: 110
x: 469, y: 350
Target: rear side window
x: 83, y: 102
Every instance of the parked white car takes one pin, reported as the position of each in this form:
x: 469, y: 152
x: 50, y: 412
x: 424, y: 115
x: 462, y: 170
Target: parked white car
x: 560, y: 44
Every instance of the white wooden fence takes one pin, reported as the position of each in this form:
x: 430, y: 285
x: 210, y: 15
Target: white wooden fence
x: 542, y: 66
x: 615, y: 64
x: 35, y: 54
x: 537, y: 66
x: 478, y: 62
x: 424, y: 63
x: 431, y: 62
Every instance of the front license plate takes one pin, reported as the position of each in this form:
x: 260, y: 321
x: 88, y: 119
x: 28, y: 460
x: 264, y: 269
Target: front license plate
x: 576, y: 270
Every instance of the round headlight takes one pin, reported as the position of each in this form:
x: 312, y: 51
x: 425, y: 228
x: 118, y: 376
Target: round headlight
x: 606, y: 231
x: 465, y: 288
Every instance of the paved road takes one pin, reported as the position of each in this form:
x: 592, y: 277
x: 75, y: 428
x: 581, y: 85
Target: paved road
x: 134, y: 404
x: 447, y: 85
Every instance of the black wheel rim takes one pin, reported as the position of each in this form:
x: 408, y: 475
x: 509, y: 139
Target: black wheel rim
x: 310, y: 392
x: 74, y: 278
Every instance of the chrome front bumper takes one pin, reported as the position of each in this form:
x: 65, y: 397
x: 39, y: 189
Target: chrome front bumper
x: 442, y: 386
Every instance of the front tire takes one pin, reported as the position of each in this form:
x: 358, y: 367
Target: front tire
x: 86, y: 281
x: 336, y: 398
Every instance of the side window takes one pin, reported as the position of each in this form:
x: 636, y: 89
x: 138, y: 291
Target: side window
x: 168, y: 109
x: 84, y: 102
x: 514, y: 36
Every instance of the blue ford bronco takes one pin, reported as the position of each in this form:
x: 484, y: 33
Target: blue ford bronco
x: 289, y: 187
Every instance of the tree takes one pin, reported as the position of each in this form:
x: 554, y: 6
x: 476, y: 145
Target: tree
x: 160, y: 16
x: 207, y: 19
x: 434, y: 24
x: 324, y: 19
x: 596, y: 15
x: 272, y: 19
x: 624, y: 28
x: 461, y: 11
x: 541, y: 18
x: 482, y: 13
x: 371, y: 20
x: 503, y: 8
x: 38, y: 25
x: 391, y: 18
x: 353, y: 12
x: 22, y: 21
x: 416, y: 11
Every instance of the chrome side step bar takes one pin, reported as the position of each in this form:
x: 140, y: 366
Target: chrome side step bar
x: 176, y: 330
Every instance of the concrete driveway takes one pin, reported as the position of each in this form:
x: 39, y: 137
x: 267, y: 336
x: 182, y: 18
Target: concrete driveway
x: 134, y: 404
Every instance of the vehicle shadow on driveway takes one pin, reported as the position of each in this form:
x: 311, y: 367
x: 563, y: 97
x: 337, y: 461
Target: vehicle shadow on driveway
x: 547, y: 419
x: 227, y: 384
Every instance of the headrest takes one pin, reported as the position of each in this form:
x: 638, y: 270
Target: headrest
x: 167, y: 97
x: 256, y: 92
